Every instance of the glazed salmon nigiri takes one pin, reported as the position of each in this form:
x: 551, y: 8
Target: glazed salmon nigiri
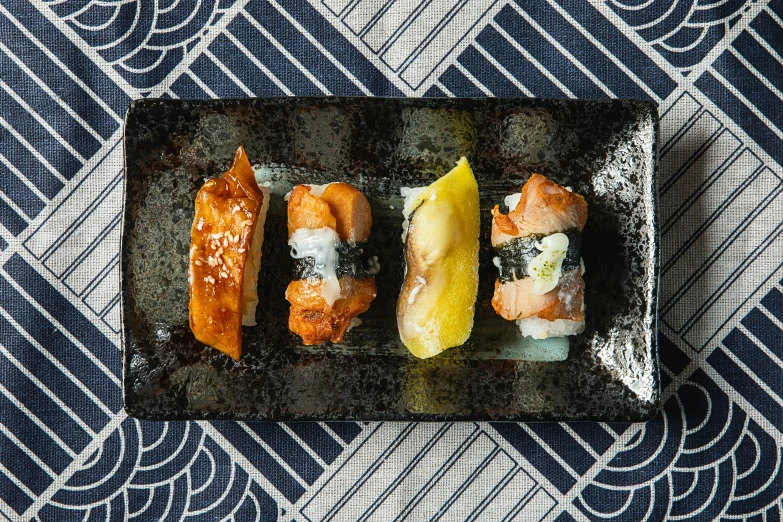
x: 225, y: 256
x: 537, y: 246
x: 327, y: 226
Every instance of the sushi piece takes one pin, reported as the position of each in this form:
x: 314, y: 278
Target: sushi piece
x: 225, y: 256
x: 537, y: 244
x: 327, y: 228
x: 441, y: 236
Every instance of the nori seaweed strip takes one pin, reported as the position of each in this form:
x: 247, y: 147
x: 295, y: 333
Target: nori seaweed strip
x: 516, y: 254
x: 349, y: 262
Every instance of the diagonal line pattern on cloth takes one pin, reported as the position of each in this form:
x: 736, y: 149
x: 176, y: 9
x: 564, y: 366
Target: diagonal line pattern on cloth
x: 71, y: 132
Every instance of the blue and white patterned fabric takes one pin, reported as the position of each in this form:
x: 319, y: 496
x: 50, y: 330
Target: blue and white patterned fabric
x: 69, y: 68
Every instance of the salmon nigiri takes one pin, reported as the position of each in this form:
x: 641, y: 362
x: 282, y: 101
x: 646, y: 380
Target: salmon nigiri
x: 327, y: 226
x: 537, y: 244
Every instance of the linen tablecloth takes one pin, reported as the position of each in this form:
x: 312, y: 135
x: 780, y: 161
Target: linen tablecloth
x: 68, y: 70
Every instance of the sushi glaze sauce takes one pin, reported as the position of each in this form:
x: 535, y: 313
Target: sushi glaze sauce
x: 546, y: 267
x: 320, y: 244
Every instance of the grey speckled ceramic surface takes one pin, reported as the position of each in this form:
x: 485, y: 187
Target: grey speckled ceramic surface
x: 605, y: 150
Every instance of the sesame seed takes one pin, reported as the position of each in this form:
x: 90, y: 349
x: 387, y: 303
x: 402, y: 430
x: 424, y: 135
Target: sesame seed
x: 223, y: 275
x: 241, y: 250
x: 220, y: 251
x: 220, y: 260
x: 210, y: 280
x: 235, y: 239
x: 235, y: 209
x: 230, y: 262
x: 212, y: 261
x: 217, y: 236
x: 197, y: 262
x: 247, y: 223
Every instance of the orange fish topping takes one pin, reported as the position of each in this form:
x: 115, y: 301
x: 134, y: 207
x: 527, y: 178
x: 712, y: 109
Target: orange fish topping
x: 227, y: 210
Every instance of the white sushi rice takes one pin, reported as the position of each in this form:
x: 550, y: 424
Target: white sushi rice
x: 538, y: 328
x: 253, y: 264
x: 512, y: 200
x: 315, y: 190
x: 373, y: 265
x: 355, y: 323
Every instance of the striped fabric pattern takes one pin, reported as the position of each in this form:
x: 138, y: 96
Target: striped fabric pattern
x: 68, y: 70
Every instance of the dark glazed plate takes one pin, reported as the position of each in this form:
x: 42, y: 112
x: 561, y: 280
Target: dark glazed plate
x: 605, y: 150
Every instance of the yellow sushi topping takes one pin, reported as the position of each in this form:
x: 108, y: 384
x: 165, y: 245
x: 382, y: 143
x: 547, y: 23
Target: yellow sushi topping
x: 435, y: 308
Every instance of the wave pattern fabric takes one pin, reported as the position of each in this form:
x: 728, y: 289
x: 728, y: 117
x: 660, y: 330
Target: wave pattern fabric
x: 67, y: 73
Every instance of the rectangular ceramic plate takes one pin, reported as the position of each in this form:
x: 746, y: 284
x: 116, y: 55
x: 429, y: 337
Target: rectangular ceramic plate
x: 604, y: 150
